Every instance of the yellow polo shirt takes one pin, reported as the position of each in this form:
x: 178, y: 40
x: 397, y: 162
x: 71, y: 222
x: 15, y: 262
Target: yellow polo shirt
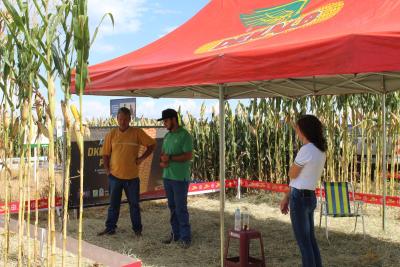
x: 123, y: 149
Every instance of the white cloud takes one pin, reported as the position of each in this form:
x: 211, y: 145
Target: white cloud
x: 159, y: 10
x: 148, y: 108
x: 101, y: 48
x: 94, y: 109
x: 186, y: 105
x: 210, y: 108
x: 162, y: 11
x: 151, y: 108
x: 126, y: 14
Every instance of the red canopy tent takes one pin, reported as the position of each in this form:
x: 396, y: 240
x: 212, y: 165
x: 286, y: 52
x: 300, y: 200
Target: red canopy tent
x: 264, y: 48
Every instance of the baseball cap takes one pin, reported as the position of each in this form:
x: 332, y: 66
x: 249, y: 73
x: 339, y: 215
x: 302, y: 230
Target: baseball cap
x: 168, y: 113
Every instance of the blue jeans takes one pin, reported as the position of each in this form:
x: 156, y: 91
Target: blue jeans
x: 302, y: 216
x: 132, y: 192
x: 177, y: 192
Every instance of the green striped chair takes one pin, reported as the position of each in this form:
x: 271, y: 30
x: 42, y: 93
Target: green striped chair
x: 337, y: 204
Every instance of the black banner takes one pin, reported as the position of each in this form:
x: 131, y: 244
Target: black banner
x: 95, y: 182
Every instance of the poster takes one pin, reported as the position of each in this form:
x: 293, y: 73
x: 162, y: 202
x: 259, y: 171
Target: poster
x: 129, y: 103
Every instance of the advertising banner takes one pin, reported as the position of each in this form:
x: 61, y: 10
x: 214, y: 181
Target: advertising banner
x: 95, y: 184
x: 129, y: 103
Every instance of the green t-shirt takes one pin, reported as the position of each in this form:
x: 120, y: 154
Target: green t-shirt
x: 176, y: 143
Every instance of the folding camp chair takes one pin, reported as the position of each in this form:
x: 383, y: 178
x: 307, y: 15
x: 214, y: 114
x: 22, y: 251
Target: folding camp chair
x: 337, y: 204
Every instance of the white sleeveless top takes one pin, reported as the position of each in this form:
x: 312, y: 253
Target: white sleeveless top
x: 312, y: 161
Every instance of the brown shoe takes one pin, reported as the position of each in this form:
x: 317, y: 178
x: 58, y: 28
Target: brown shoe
x: 184, y: 244
x: 169, y: 239
x: 106, y: 232
x: 138, y: 233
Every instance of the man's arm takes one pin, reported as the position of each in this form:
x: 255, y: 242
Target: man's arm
x: 106, y: 152
x: 178, y: 158
x: 149, y: 150
x: 106, y: 161
x: 182, y: 157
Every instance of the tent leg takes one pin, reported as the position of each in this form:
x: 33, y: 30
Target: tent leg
x: 384, y: 158
x: 222, y: 167
x: 238, y: 189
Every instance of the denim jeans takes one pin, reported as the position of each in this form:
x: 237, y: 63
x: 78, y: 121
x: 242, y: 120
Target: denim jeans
x: 132, y: 192
x: 177, y: 192
x: 302, y: 217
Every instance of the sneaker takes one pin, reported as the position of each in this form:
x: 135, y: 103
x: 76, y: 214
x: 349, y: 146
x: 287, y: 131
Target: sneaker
x: 184, y: 244
x: 169, y: 239
x: 106, y: 232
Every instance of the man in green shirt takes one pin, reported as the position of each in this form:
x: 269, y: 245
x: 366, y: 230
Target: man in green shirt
x: 175, y: 160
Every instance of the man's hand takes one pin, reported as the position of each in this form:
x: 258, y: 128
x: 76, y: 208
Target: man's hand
x: 164, y: 158
x: 139, y: 160
x: 284, y: 205
x: 163, y: 164
x: 106, y: 162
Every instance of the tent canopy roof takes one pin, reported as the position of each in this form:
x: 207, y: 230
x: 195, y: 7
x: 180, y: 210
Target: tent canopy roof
x: 265, y: 48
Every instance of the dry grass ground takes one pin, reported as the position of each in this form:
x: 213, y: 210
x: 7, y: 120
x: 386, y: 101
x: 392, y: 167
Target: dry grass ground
x: 70, y: 259
x: 346, y: 249
x: 43, y: 183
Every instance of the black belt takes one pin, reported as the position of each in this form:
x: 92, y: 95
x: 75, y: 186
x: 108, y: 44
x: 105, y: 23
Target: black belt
x: 305, y: 192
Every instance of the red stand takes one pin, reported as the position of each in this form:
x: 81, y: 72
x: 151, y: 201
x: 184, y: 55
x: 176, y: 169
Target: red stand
x: 244, y: 260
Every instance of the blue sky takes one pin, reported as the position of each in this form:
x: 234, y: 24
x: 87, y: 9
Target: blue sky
x: 138, y: 23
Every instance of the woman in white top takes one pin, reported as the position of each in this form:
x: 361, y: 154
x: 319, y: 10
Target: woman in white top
x: 304, y: 175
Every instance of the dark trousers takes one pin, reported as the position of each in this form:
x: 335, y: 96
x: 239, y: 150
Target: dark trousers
x: 302, y: 216
x: 177, y: 192
x: 132, y: 191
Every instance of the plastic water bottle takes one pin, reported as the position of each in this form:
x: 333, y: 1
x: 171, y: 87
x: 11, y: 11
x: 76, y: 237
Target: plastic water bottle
x: 237, y: 220
x: 245, y: 219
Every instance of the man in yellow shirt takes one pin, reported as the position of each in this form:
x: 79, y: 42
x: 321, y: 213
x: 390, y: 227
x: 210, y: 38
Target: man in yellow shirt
x: 121, y: 161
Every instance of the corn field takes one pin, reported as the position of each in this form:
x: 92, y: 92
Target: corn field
x: 261, y: 142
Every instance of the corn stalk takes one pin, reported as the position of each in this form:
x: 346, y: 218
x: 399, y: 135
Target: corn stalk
x: 80, y: 23
x: 7, y: 64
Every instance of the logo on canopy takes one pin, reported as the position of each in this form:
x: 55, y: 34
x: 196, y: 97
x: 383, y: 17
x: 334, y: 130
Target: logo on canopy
x: 274, y: 15
x: 272, y: 21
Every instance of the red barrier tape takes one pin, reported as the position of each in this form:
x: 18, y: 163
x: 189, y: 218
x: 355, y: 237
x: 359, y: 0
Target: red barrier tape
x: 207, y: 187
x: 200, y: 187
x: 392, y: 201
x: 42, y: 205
x: 134, y: 264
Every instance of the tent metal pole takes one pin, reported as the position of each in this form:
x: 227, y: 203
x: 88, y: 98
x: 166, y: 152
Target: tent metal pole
x: 238, y: 187
x: 384, y: 158
x: 222, y: 168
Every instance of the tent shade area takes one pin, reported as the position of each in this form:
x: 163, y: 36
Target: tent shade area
x: 289, y: 88
x: 235, y: 49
